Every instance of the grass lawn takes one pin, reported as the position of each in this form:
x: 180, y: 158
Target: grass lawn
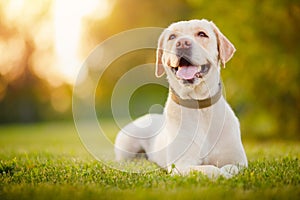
x: 48, y: 161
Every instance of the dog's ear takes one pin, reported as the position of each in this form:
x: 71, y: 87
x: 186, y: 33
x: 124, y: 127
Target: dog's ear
x: 225, y: 47
x: 159, y: 53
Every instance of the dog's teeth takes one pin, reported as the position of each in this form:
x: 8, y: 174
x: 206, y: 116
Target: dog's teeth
x: 198, y: 75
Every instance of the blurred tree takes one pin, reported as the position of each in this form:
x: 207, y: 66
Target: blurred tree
x: 262, y: 80
x: 24, y: 96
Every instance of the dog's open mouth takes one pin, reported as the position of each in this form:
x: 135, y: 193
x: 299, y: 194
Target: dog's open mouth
x: 188, y: 72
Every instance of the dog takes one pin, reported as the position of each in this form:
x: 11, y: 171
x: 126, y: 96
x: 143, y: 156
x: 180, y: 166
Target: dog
x: 198, y: 130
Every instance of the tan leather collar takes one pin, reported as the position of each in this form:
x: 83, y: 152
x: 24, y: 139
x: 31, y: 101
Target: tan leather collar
x: 197, y: 104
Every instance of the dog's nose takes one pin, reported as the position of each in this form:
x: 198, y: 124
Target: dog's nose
x: 183, y: 43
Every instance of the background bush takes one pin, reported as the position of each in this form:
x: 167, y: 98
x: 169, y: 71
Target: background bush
x: 262, y: 79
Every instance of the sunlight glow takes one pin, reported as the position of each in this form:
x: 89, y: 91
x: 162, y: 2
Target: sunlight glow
x: 67, y: 24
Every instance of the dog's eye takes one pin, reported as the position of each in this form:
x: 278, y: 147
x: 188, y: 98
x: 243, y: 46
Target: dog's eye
x: 202, y: 34
x: 172, y: 37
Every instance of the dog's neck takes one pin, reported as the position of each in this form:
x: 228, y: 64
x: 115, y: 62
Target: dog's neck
x: 196, y: 104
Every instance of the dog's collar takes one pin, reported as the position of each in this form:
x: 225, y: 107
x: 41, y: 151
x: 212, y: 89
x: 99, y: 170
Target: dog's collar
x: 197, y: 104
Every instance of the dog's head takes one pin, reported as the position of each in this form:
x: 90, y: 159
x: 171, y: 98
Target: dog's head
x: 190, y: 53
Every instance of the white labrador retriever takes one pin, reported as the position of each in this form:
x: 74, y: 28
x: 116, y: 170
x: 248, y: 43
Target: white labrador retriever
x: 198, y: 130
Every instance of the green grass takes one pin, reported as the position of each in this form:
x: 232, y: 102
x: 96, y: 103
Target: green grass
x: 48, y: 161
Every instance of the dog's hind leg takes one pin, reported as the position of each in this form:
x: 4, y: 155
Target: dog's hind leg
x: 136, y: 139
x: 127, y: 147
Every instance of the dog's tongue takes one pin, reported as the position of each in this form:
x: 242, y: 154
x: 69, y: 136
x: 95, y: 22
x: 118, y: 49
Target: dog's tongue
x: 187, y: 72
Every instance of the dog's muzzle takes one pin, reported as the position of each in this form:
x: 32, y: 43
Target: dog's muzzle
x: 186, y: 69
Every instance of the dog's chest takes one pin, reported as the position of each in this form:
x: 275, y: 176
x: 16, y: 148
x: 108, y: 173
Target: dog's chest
x: 190, y: 126
x: 189, y: 121
x: 194, y: 132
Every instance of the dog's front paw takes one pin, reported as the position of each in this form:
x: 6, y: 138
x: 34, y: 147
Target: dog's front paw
x: 229, y: 170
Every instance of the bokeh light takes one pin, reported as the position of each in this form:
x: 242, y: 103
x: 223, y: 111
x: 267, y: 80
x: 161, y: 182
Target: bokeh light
x: 43, y: 44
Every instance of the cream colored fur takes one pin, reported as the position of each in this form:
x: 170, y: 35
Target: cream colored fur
x: 184, y: 139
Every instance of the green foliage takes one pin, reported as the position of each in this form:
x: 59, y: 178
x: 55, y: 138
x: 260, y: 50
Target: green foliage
x: 262, y: 79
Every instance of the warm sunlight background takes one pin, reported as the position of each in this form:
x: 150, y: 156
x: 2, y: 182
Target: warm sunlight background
x: 55, y: 28
x: 44, y: 42
x: 67, y: 25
